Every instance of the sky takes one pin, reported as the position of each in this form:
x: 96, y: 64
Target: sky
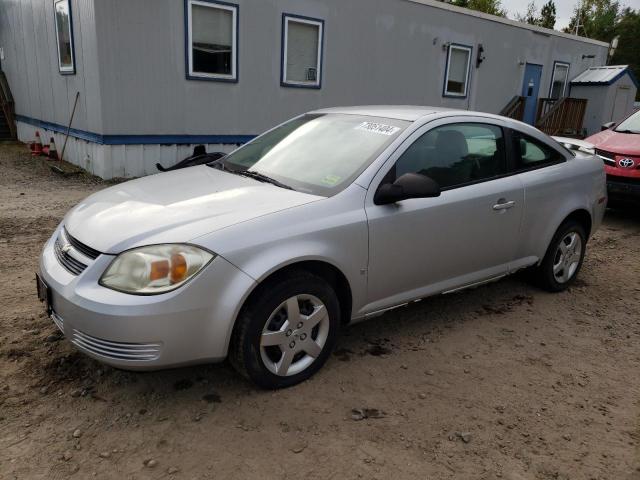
x: 564, y: 8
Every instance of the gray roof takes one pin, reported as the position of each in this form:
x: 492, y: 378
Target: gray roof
x: 601, y: 75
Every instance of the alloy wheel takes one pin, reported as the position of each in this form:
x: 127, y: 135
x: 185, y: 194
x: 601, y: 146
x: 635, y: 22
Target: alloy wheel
x: 294, y: 335
x: 567, y: 257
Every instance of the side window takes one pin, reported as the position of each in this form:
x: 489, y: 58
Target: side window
x: 559, y: 80
x: 530, y: 153
x: 456, y: 80
x: 64, y: 37
x: 301, y: 51
x: 456, y: 154
x: 212, y: 37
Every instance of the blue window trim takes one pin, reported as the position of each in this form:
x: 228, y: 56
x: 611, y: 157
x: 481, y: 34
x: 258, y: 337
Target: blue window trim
x: 71, y: 39
x: 567, y: 85
x: 136, y: 139
x: 446, y: 71
x: 187, y: 46
x: 283, y: 81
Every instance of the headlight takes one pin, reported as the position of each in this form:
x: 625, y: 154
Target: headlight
x: 154, y: 269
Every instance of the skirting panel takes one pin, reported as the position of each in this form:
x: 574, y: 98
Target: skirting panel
x: 115, y: 161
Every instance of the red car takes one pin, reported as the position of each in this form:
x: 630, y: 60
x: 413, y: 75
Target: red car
x: 619, y: 147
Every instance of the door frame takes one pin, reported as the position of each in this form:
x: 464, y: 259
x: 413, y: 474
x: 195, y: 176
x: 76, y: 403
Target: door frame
x: 522, y: 88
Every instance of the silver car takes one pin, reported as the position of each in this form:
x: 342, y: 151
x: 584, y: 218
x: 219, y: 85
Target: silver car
x: 328, y: 219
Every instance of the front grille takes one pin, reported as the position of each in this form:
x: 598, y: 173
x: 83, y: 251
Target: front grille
x: 607, y: 157
x: 86, y: 250
x: 69, y: 263
x: 116, y: 350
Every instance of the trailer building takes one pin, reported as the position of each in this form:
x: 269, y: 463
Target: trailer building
x: 156, y: 77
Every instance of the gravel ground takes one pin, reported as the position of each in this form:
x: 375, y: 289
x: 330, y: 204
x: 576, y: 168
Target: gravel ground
x: 503, y: 381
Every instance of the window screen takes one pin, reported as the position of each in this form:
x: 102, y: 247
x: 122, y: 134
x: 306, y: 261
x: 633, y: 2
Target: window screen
x: 63, y: 34
x: 302, y: 51
x: 213, y: 40
x: 457, y: 71
x: 456, y: 154
x: 559, y: 80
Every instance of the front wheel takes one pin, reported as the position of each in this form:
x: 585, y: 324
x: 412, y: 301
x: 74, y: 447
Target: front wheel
x: 286, y: 331
x: 563, y: 259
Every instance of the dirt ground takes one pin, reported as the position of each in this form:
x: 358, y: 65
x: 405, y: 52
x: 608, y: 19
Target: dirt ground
x: 503, y: 381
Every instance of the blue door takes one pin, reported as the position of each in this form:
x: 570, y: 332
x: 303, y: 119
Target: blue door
x: 530, y: 89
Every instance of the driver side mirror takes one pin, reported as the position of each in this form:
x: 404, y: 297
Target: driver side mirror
x: 409, y: 185
x: 607, y: 126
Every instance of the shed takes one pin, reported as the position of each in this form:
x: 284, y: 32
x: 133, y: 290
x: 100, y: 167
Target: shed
x: 610, y: 91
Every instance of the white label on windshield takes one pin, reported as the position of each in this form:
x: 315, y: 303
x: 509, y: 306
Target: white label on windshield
x: 379, y: 128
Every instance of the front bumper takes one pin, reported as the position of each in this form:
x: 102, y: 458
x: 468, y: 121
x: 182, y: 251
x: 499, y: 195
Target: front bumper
x: 623, y: 187
x: 189, y: 325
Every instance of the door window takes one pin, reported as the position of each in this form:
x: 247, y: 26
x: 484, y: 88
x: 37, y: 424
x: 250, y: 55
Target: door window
x: 455, y: 155
x: 530, y: 153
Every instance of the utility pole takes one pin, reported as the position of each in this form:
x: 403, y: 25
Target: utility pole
x: 579, y: 18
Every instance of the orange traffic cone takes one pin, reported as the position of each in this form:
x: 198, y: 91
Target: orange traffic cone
x: 37, y: 145
x: 53, y: 153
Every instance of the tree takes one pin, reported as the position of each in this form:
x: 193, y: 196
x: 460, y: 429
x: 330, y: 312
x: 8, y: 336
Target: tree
x: 493, y: 7
x: 547, y: 17
x: 628, y: 51
x: 530, y: 16
x: 604, y: 20
x: 595, y: 19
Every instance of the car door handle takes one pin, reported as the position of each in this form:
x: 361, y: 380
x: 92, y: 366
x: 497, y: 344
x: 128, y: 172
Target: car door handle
x: 503, y: 205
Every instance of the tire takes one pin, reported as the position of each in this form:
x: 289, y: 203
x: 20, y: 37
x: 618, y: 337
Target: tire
x: 561, y: 265
x: 271, y: 350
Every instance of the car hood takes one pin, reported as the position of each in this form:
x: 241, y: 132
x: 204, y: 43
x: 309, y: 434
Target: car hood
x: 177, y: 206
x: 614, y: 142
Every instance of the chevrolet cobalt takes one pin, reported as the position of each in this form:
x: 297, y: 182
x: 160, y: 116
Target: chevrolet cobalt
x: 333, y: 217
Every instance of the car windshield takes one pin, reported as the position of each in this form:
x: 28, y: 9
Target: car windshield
x: 630, y: 125
x: 319, y: 154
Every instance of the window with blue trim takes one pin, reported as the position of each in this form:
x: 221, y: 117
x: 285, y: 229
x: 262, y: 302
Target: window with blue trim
x: 212, y: 40
x: 302, y: 51
x: 64, y: 37
x: 456, y: 82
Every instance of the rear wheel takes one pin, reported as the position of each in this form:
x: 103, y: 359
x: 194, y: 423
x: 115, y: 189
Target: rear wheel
x: 563, y: 259
x: 286, y: 331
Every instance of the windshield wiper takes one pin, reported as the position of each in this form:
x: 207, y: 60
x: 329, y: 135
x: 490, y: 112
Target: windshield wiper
x: 218, y: 164
x: 261, y: 177
x: 627, y: 131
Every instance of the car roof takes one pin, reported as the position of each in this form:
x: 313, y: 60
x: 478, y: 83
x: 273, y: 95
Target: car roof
x: 409, y: 113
